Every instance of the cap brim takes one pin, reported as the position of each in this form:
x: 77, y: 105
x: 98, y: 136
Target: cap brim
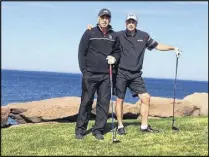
x: 105, y: 14
x: 131, y: 19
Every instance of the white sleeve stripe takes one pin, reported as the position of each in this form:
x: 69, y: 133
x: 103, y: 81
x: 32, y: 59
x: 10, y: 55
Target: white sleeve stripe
x: 152, y: 42
x: 101, y: 39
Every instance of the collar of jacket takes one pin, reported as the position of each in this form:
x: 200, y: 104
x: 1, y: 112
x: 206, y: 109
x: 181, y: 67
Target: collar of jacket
x: 108, y: 29
x: 129, y: 34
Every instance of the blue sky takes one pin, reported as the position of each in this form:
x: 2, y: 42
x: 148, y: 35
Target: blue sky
x: 44, y: 36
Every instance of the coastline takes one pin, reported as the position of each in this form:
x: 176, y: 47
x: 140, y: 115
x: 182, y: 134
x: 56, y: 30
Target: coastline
x: 66, y: 109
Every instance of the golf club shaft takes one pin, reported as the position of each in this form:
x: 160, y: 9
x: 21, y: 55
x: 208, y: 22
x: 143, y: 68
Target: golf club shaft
x: 174, y: 93
x: 111, y: 91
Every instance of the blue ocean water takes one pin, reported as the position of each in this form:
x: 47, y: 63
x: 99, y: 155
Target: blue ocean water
x: 24, y: 86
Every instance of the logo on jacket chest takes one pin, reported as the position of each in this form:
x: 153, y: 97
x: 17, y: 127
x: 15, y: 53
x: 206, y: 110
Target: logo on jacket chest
x: 110, y: 36
x: 139, y: 40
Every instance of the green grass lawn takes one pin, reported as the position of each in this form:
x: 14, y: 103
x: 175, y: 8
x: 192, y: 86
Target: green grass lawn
x: 59, y: 139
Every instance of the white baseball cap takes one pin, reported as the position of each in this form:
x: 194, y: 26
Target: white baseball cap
x: 132, y: 16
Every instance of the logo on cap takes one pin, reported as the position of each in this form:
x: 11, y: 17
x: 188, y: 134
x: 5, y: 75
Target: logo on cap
x: 105, y: 11
x: 131, y: 16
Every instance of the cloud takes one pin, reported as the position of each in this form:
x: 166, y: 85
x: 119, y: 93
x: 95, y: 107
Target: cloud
x: 159, y: 12
x: 7, y: 6
x: 18, y: 5
x: 191, y: 2
x: 40, y: 4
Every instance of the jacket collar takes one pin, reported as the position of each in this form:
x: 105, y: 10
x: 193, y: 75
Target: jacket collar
x: 108, y: 29
x: 129, y: 34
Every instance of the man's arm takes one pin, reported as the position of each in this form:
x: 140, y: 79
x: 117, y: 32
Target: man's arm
x: 116, y: 49
x: 82, y: 51
x: 151, y: 44
x: 163, y: 47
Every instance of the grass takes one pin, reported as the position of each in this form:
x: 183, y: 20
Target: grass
x: 58, y: 139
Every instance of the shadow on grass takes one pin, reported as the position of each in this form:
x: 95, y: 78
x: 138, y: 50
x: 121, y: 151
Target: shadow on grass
x: 110, y: 126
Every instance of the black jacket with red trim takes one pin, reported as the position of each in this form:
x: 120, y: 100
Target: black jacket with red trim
x: 94, y: 48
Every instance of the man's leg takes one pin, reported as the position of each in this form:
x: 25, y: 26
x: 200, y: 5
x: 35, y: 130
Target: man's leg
x: 88, y: 90
x: 121, y: 83
x: 138, y: 86
x: 102, y: 108
x: 145, y: 103
x: 119, y: 112
x: 119, y: 100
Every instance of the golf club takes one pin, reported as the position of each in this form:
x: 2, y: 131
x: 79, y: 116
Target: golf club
x: 174, y: 95
x: 114, y: 140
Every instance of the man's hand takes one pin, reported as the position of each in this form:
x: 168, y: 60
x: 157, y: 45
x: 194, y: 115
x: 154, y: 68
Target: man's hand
x: 111, y: 59
x: 178, y: 52
x: 89, y: 26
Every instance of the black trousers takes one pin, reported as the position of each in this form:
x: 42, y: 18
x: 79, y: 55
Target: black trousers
x: 92, y: 82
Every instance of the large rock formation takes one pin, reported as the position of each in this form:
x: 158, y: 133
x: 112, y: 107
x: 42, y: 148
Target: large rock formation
x: 66, y: 109
x: 199, y: 101
x: 5, y: 110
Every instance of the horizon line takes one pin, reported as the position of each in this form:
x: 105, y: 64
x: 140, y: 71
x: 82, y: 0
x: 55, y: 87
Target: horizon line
x: 81, y: 74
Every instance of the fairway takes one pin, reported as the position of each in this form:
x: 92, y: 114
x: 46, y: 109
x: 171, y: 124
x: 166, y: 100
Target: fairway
x: 58, y: 139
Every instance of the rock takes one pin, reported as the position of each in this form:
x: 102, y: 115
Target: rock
x: 200, y: 101
x: 66, y: 109
x: 15, y: 113
x: 18, y: 118
x: 5, y: 110
x: 49, y: 109
x: 17, y: 110
x: 163, y: 107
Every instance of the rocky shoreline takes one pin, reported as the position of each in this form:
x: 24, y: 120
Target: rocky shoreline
x: 65, y: 109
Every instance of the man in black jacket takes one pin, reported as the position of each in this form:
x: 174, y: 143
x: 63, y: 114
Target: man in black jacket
x: 134, y: 42
x: 98, y: 48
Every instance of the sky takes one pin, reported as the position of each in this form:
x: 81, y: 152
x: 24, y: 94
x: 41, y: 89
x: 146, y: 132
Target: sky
x: 44, y: 36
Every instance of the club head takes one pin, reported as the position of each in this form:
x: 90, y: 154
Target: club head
x: 115, y: 140
x: 175, y: 128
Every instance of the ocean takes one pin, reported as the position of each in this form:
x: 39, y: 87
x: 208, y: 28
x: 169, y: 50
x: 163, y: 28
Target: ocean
x: 24, y: 86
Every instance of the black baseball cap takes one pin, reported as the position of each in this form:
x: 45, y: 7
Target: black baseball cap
x: 104, y: 12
